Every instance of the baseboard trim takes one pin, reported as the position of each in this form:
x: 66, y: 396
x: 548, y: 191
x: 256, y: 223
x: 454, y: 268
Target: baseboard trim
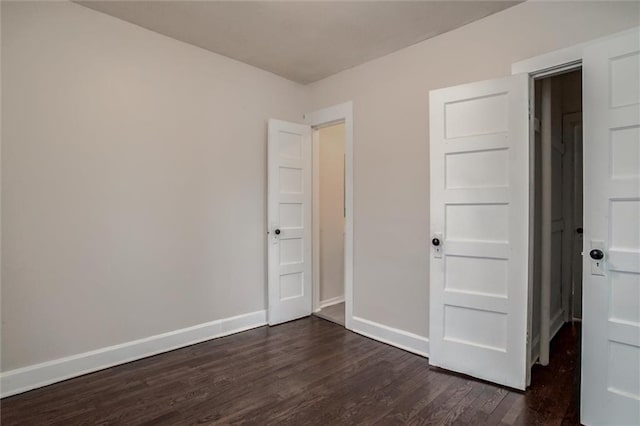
x: 332, y: 301
x: 557, y: 321
x: 556, y: 324
x: 34, y: 376
x: 399, y: 338
x: 535, y: 350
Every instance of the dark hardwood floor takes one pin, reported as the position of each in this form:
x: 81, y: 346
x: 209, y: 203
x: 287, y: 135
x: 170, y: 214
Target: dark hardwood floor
x: 309, y: 371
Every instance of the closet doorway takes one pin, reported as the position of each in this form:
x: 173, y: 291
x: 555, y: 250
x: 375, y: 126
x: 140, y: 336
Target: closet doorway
x: 329, y: 215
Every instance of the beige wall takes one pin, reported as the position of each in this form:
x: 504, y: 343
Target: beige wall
x: 133, y: 182
x: 391, y: 143
x: 332, y: 145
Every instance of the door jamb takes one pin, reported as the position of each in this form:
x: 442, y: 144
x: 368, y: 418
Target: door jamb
x: 315, y: 215
x: 318, y: 119
x: 552, y: 63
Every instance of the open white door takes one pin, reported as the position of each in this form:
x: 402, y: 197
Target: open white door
x: 611, y: 291
x: 289, y: 221
x: 479, y: 217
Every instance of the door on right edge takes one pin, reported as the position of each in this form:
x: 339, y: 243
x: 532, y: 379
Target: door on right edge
x: 610, y: 389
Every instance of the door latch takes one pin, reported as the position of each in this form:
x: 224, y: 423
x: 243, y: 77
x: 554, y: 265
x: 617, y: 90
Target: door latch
x: 275, y: 234
x: 436, y: 243
x: 598, y: 257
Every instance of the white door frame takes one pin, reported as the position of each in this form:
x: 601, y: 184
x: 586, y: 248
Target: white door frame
x: 318, y: 119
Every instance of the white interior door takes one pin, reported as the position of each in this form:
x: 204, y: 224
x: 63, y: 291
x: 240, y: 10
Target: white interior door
x: 479, y: 214
x: 289, y: 221
x: 611, y: 291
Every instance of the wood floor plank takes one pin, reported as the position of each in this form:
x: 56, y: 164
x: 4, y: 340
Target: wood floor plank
x: 478, y: 412
x: 436, y: 411
x: 315, y: 388
x: 407, y: 408
x: 452, y: 416
x: 307, y: 372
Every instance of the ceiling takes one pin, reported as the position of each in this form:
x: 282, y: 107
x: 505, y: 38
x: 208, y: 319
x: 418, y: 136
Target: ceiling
x: 303, y: 41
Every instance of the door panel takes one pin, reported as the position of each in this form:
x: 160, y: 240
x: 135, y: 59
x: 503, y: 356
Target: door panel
x: 611, y: 316
x: 479, y: 209
x: 289, y: 221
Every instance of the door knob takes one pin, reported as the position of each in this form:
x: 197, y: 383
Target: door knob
x: 579, y: 230
x: 596, y: 254
x: 277, y: 231
x: 435, y: 242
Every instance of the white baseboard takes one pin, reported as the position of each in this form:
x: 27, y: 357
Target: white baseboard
x: 392, y: 336
x: 535, y: 350
x: 331, y: 301
x: 34, y: 376
x: 557, y: 321
x: 556, y: 324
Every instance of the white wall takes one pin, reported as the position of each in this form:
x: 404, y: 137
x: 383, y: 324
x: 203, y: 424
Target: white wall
x: 391, y: 143
x: 332, y: 149
x: 133, y: 182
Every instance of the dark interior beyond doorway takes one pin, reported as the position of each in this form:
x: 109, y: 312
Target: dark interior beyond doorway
x: 558, y: 211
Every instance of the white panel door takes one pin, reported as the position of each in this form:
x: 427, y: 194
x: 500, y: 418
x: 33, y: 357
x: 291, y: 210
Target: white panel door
x: 479, y: 214
x: 289, y: 221
x: 611, y: 291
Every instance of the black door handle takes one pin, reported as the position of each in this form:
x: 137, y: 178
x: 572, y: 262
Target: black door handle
x: 579, y: 230
x: 596, y: 254
x: 435, y: 242
x: 277, y: 231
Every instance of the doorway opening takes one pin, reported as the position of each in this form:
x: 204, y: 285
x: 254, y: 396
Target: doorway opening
x: 329, y: 219
x: 557, y: 214
x: 293, y: 248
